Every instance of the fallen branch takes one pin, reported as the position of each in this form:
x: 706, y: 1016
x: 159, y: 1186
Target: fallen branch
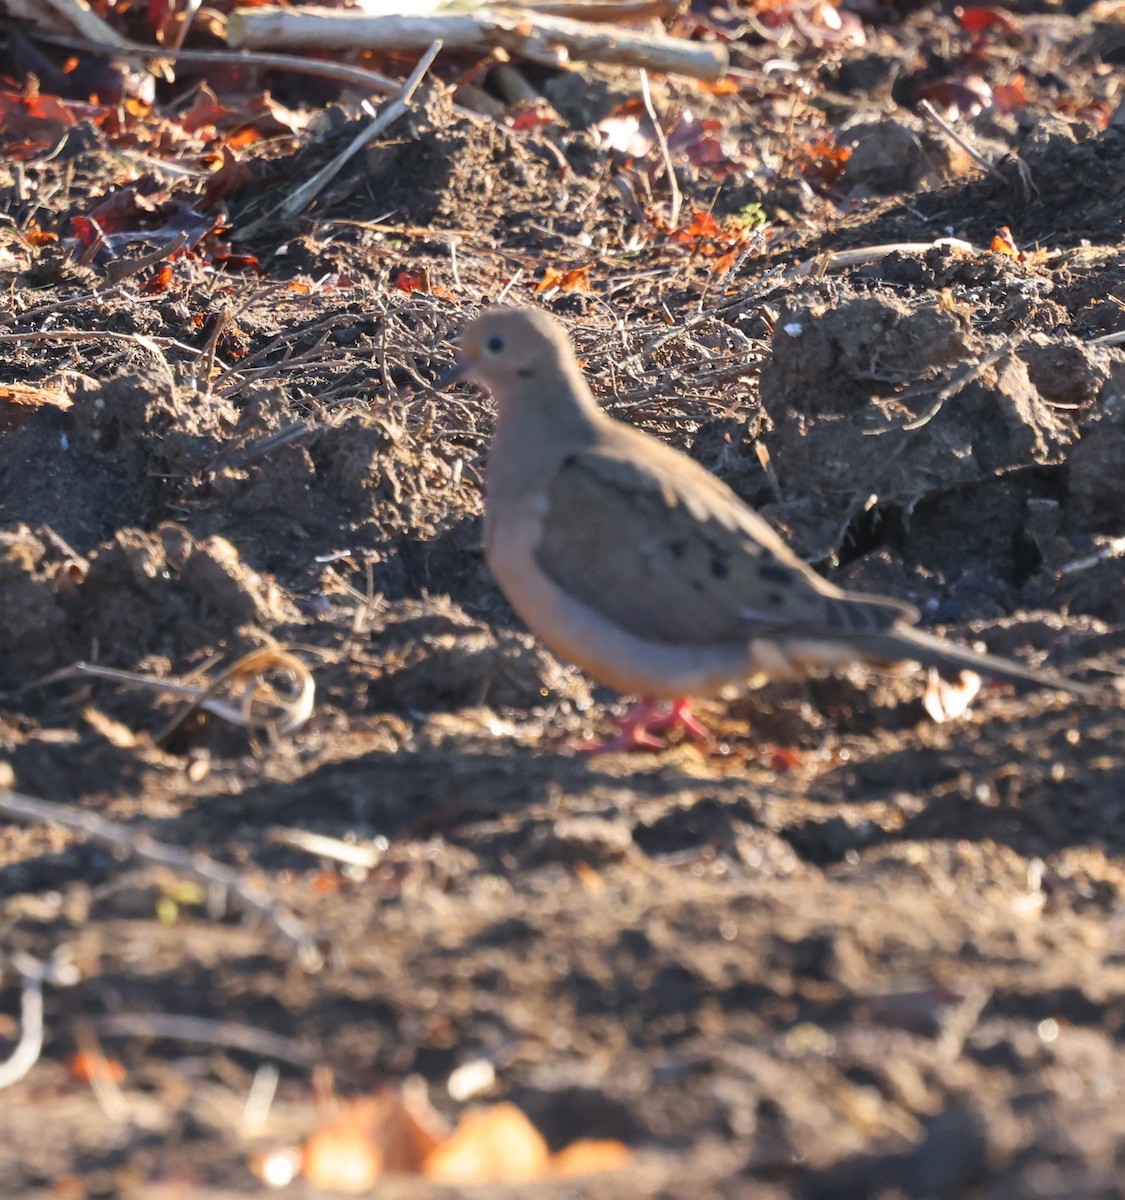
x: 549, y: 40
x: 185, y: 862
x: 230, y: 1034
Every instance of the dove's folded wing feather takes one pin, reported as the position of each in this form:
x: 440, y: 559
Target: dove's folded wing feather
x: 674, y: 557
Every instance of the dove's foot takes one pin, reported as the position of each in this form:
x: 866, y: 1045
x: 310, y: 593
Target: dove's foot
x: 642, y: 725
x: 679, y: 716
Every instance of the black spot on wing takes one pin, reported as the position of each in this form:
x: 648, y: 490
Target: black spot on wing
x: 719, y: 568
x: 775, y: 573
x: 678, y: 547
x: 775, y: 599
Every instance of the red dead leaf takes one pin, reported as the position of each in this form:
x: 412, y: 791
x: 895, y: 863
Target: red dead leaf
x: 410, y: 280
x: 823, y: 160
x: 534, y: 116
x: 718, y: 87
x: 1011, y: 97
x: 783, y: 759
x: 701, y: 227
x: 973, y: 20
x: 87, y: 1067
x: 232, y: 175
x: 35, y: 236
x: 160, y: 282
x: 236, y: 262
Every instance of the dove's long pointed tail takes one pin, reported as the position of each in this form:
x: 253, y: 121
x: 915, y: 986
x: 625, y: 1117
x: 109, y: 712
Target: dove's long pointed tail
x: 916, y: 646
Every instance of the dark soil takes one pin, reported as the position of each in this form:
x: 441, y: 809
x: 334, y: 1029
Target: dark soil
x: 843, y: 951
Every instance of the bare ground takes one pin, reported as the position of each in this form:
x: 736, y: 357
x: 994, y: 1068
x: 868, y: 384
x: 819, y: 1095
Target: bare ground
x: 842, y: 952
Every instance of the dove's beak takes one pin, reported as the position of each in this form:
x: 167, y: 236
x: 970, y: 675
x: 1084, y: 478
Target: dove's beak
x: 452, y: 374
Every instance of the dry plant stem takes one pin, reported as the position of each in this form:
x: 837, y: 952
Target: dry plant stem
x: 295, y: 710
x: 841, y: 260
x: 552, y: 41
x: 357, y: 76
x: 353, y: 855
x: 399, y: 106
x: 662, y: 142
x: 185, y: 862
x: 929, y: 111
x: 207, y: 1033
x: 28, y: 1048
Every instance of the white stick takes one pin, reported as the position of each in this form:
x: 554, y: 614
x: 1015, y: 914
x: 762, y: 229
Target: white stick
x: 534, y: 36
x: 306, y: 193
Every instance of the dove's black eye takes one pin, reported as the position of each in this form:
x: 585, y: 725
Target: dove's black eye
x: 494, y: 345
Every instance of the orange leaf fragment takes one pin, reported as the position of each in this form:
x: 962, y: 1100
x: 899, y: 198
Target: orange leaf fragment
x: 39, y: 237
x: 590, y: 1155
x: 577, y: 279
x: 1003, y: 243
x: 492, y: 1145
x: 160, y: 282
x: 784, y: 759
x: 1010, y: 97
x: 342, y: 1158
x: 87, y: 1066
x: 718, y: 87
x: 702, y: 225
x: 407, y: 280
x: 392, y: 1130
x: 824, y: 160
x: 725, y: 261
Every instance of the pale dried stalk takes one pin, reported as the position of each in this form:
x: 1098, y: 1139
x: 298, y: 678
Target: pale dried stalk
x: 534, y: 36
x: 290, y: 712
x: 398, y: 107
x: 28, y: 1048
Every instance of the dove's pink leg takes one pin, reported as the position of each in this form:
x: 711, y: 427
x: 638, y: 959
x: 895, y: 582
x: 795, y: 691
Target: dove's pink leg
x: 643, y: 722
x: 681, y: 716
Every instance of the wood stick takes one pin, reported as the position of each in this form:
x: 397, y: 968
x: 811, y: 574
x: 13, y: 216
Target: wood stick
x: 534, y: 36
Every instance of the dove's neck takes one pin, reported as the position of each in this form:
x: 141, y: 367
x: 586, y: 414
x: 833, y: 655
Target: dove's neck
x: 537, y: 429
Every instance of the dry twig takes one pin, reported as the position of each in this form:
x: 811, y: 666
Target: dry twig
x: 537, y: 37
x: 186, y: 862
x: 398, y: 107
x: 247, y: 672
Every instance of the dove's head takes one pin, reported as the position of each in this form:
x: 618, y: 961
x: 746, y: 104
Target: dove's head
x: 523, y: 357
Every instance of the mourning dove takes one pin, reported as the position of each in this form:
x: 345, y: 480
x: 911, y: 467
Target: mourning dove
x: 632, y: 561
